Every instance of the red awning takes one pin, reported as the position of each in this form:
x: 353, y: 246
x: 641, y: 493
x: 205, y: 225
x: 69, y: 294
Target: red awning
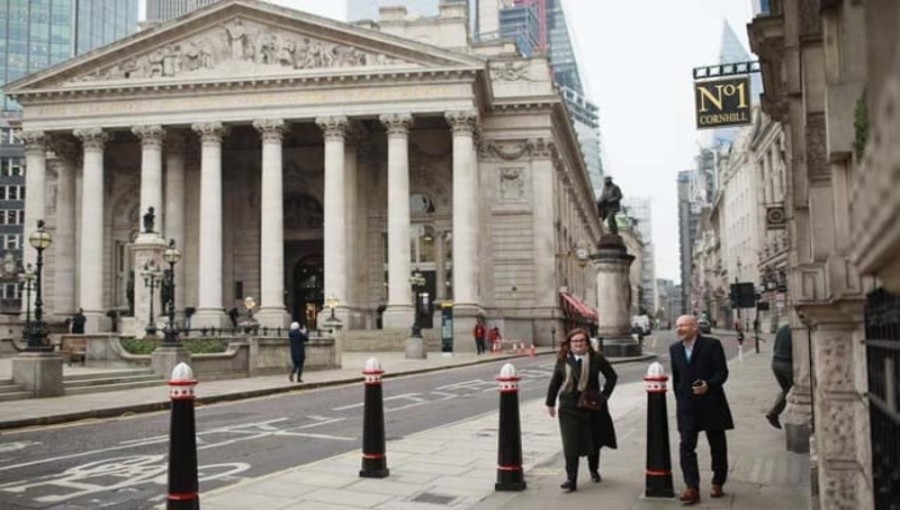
x: 578, y: 307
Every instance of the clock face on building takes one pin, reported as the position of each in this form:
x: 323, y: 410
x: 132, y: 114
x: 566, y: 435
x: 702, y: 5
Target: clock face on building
x: 581, y: 253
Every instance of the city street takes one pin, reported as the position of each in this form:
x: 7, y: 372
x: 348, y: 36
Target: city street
x: 122, y: 463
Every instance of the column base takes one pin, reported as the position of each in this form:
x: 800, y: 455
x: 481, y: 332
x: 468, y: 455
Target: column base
x: 465, y: 316
x: 96, y: 322
x: 621, y: 347
x: 41, y: 373
x: 797, y: 417
x: 165, y: 359
x: 416, y: 348
x: 272, y: 318
x: 398, y: 317
x: 209, y: 318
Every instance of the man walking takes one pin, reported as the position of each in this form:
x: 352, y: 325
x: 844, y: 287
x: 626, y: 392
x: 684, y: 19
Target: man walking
x: 479, y: 334
x: 783, y: 368
x: 699, y: 372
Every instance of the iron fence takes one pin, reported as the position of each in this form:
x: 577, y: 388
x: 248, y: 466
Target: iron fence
x: 882, y: 321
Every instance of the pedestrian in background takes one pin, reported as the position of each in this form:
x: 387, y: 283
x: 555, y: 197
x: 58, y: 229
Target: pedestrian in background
x: 783, y: 368
x: 494, y: 338
x: 78, y: 321
x: 479, y: 333
x: 584, y: 427
x: 699, y: 372
x: 297, y: 337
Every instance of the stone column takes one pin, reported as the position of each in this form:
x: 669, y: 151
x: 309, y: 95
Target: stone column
x: 335, y: 130
x: 465, y: 229
x: 271, y: 272
x: 399, y: 311
x: 151, y: 171
x: 174, y: 213
x: 210, y: 311
x: 90, y: 292
x: 64, y: 246
x: 613, y: 264
x: 35, y: 182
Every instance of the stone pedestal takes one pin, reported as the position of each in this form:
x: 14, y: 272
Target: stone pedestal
x: 614, y: 297
x: 41, y: 373
x: 272, y: 318
x: 398, y: 317
x: 335, y: 327
x: 416, y: 348
x: 149, y: 246
x: 165, y: 359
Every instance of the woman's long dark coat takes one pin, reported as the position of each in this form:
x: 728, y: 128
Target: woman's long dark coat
x: 583, y: 431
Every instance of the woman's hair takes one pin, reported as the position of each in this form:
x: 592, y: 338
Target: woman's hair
x: 566, y: 346
x: 294, y: 326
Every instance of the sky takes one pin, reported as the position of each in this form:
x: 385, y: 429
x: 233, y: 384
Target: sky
x: 636, y: 57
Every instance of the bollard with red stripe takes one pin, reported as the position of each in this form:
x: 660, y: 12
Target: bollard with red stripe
x: 509, y: 450
x: 659, y: 460
x: 374, y: 461
x: 183, y: 485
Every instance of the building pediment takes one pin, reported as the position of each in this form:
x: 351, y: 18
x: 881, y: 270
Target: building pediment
x: 238, y: 40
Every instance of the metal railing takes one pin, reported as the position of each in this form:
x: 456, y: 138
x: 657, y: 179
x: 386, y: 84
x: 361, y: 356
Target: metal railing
x: 882, y: 323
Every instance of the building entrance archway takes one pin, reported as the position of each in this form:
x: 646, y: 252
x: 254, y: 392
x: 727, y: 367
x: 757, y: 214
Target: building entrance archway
x: 308, y: 289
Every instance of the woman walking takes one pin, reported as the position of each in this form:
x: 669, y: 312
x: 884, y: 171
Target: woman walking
x: 297, y: 338
x: 584, y: 420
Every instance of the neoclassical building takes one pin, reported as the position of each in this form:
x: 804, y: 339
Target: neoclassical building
x: 294, y: 158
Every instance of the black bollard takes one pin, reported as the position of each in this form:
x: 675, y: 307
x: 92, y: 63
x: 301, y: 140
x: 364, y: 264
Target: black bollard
x: 183, y: 485
x: 509, y: 447
x: 374, y: 461
x: 659, y: 460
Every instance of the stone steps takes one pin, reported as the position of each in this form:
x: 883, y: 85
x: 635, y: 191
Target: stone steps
x: 11, y: 391
x: 114, y: 387
x: 80, y: 384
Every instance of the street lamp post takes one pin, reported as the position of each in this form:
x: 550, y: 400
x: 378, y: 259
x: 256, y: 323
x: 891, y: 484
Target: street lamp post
x: 40, y: 241
x: 26, y: 283
x: 417, y: 281
x: 151, y: 280
x: 331, y: 303
x: 172, y: 256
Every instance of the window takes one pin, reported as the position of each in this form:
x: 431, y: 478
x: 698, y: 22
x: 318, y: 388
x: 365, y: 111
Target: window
x: 11, y: 241
x: 12, y: 217
x: 12, y: 167
x: 10, y: 291
x: 12, y: 192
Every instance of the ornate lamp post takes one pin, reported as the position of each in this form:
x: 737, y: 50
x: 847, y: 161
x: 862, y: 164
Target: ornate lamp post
x: 26, y: 283
x: 171, y: 256
x: 417, y: 281
x: 332, y: 303
x: 152, y: 281
x: 40, y: 241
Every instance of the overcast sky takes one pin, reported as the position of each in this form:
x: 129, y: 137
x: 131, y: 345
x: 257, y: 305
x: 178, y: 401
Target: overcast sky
x: 637, y: 57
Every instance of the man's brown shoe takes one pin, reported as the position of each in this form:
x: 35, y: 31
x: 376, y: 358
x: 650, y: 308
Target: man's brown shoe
x: 716, y: 491
x: 690, y: 496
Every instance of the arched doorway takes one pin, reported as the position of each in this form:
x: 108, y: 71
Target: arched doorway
x: 309, y: 294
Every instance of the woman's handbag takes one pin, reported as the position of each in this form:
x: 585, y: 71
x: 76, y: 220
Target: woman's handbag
x: 591, y: 400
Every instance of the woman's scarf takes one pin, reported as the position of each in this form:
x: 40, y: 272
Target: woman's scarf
x: 582, y: 378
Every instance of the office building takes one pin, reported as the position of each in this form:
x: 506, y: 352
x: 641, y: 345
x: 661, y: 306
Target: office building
x: 162, y: 10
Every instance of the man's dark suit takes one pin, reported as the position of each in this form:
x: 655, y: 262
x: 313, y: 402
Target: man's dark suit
x: 707, y: 412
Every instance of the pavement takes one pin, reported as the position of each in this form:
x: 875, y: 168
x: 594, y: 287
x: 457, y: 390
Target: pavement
x: 454, y: 466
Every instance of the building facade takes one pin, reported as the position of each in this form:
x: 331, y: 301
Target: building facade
x: 832, y: 79
x: 36, y: 35
x: 164, y: 10
x: 640, y: 209
x: 338, y: 169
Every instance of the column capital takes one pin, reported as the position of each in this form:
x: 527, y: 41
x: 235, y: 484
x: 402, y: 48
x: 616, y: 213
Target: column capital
x: 462, y: 121
x: 334, y: 126
x: 272, y: 130
x: 151, y: 135
x: 92, y: 138
x: 35, y: 142
x: 210, y: 132
x: 397, y: 123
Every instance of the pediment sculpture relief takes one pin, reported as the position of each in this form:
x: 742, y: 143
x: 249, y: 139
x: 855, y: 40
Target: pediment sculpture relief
x: 240, y: 42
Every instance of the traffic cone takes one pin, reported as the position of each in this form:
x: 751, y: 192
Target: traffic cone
x: 183, y: 483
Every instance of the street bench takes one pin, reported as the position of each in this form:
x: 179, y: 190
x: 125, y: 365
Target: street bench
x: 73, y: 348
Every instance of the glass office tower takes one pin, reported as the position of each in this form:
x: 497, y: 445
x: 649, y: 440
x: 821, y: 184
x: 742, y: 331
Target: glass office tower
x: 35, y: 34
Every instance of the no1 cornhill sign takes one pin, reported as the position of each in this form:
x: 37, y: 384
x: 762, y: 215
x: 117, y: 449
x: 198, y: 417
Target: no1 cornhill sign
x: 721, y: 103
x: 722, y: 94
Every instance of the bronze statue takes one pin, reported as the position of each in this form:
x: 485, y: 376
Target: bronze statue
x: 149, y: 220
x: 610, y: 204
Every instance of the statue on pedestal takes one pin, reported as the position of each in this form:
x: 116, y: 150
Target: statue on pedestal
x: 610, y: 204
x: 149, y: 220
